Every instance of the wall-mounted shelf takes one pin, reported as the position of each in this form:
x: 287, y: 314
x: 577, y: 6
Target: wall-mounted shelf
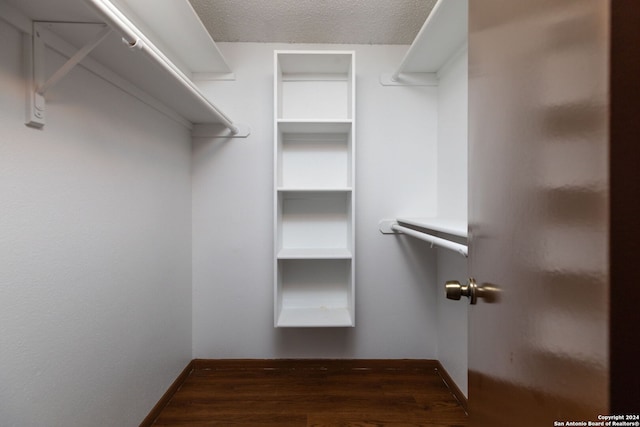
x: 443, y: 33
x: 173, y: 26
x: 314, y: 155
x: 315, y: 253
x: 314, y: 293
x: 314, y: 220
x: 155, y: 68
x: 314, y: 159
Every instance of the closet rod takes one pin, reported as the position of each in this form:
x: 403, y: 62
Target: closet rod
x: 438, y: 241
x: 133, y: 37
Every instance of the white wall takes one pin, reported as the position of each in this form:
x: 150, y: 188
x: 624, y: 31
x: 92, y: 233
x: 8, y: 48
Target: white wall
x: 95, y: 280
x: 233, y: 219
x: 452, y: 203
x: 452, y: 319
x: 453, y: 137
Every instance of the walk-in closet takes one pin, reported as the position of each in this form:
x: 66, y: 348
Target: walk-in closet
x: 195, y: 188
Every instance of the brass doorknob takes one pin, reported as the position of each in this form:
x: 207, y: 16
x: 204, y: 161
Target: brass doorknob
x: 454, y: 290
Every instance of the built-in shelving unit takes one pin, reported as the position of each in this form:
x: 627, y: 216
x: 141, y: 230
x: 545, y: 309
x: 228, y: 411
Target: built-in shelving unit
x: 314, y: 156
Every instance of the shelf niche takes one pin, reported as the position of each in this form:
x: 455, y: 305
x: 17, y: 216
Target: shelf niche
x: 314, y: 85
x: 314, y: 293
x: 319, y: 220
x: 314, y: 155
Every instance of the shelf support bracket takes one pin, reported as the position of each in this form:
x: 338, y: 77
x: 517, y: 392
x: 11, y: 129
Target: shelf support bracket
x: 386, y: 226
x: 38, y: 86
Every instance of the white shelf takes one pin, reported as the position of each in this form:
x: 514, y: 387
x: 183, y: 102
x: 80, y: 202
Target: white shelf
x: 316, y: 219
x: 314, y: 293
x: 315, y: 253
x: 315, y: 62
x: 173, y: 24
x: 165, y: 24
x: 311, y: 317
x: 314, y: 126
x: 314, y: 189
x: 443, y: 33
x: 314, y: 158
x: 443, y: 225
x: 317, y: 157
x: 314, y: 85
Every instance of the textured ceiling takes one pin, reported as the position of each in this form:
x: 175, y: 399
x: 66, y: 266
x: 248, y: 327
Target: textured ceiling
x: 314, y: 21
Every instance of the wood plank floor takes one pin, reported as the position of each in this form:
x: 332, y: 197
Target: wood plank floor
x: 313, y: 393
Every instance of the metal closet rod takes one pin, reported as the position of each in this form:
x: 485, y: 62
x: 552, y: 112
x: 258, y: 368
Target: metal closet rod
x: 438, y: 241
x: 134, y: 38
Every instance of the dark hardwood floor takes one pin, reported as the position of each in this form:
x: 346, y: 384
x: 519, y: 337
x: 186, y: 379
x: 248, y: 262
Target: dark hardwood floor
x: 313, y: 393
